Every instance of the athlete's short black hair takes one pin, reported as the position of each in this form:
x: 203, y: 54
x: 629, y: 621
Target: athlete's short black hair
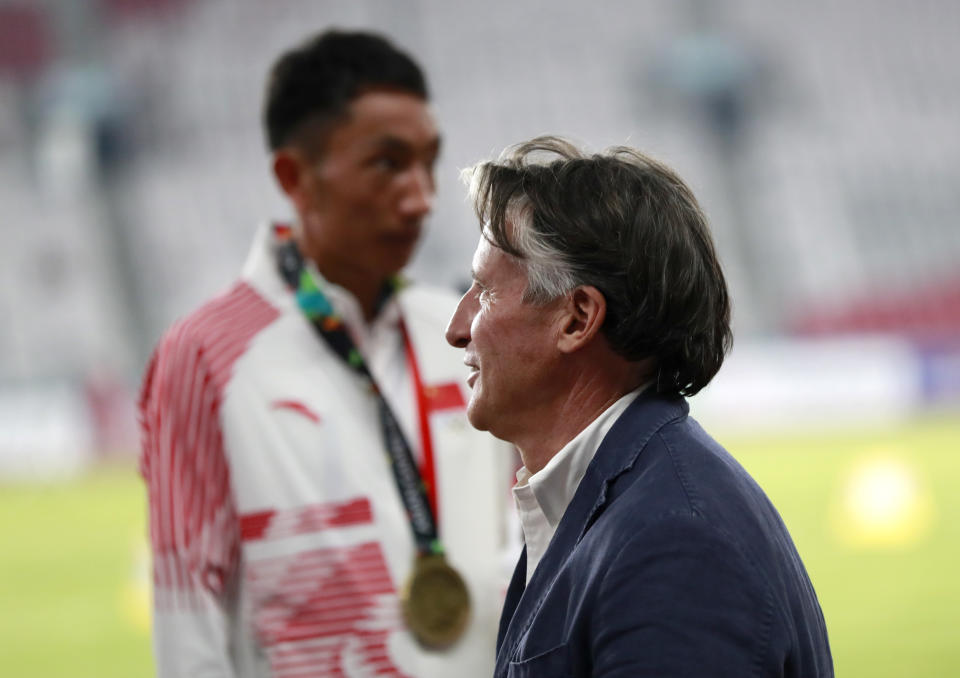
x: 315, y: 82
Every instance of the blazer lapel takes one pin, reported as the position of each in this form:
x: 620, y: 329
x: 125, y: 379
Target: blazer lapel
x: 514, y: 592
x: 617, y: 454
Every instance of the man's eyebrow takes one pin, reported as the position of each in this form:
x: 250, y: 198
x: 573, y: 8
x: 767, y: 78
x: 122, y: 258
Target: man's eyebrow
x: 389, y: 143
x: 393, y: 143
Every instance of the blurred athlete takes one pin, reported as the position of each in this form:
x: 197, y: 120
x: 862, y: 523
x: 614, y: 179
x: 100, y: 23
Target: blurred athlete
x: 318, y: 503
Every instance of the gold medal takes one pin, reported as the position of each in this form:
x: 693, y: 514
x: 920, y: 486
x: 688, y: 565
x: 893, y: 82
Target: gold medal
x: 436, y: 604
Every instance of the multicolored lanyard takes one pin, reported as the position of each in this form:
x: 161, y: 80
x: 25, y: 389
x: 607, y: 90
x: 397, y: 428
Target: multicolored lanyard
x: 419, y: 501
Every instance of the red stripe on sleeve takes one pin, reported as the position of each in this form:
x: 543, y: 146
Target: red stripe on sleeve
x: 194, y: 529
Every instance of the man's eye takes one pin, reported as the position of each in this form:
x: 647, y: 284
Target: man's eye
x: 386, y: 162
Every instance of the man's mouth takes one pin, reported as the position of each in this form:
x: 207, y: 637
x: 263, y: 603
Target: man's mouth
x: 403, y: 235
x: 474, y: 373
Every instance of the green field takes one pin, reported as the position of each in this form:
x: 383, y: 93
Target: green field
x: 881, y: 546
x: 888, y: 585
x: 72, y: 578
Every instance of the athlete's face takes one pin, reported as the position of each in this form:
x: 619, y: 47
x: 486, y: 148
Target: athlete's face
x: 362, y: 202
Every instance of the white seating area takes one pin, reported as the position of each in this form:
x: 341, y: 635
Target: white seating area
x: 844, y: 184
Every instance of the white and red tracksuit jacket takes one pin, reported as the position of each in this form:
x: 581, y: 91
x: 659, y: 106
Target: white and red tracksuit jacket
x: 279, y: 538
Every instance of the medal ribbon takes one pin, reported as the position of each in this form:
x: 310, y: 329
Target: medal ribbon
x: 318, y: 309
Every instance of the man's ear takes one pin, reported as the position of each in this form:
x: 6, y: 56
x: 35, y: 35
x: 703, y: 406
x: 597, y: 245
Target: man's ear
x: 583, y: 316
x: 289, y: 169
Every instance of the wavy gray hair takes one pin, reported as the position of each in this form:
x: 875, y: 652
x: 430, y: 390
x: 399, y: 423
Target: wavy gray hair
x: 626, y: 224
x: 550, y: 274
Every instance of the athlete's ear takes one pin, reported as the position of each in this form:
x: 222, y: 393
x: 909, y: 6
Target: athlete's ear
x: 582, y: 317
x: 290, y: 170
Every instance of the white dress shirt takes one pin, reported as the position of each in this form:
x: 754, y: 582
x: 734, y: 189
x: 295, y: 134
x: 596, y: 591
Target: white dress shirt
x: 542, y: 497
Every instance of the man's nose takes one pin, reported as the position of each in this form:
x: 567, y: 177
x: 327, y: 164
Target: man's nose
x: 458, y: 329
x: 418, y: 196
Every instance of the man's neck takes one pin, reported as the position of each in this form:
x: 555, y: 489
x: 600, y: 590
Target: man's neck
x: 359, y: 283
x: 560, y: 422
x: 366, y: 290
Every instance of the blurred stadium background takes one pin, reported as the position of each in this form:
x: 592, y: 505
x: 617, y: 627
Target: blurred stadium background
x: 823, y: 139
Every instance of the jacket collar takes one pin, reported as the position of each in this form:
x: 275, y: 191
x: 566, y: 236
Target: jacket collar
x: 619, y: 452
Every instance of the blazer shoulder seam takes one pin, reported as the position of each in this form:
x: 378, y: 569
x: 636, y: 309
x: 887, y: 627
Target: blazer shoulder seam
x: 688, y: 490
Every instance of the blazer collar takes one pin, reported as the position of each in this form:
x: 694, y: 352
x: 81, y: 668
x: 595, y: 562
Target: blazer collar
x: 618, y: 453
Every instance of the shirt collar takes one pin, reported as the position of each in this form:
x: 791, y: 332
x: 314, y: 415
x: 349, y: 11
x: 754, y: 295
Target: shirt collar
x: 344, y: 304
x: 347, y: 306
x: 260, y: 270
x: 554, y: 485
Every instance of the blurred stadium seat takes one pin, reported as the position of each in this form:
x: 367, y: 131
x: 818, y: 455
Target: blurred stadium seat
x: 833, y: 188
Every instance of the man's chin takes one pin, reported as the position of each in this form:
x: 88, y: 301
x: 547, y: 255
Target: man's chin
x: 475, y: 416
x: 398, y: 255
x: 479, y: 421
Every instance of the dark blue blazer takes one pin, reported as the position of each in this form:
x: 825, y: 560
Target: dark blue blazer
x: 670, y: 561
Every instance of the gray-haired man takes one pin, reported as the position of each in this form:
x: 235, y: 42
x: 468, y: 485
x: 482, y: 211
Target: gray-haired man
x: 597, y: 304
